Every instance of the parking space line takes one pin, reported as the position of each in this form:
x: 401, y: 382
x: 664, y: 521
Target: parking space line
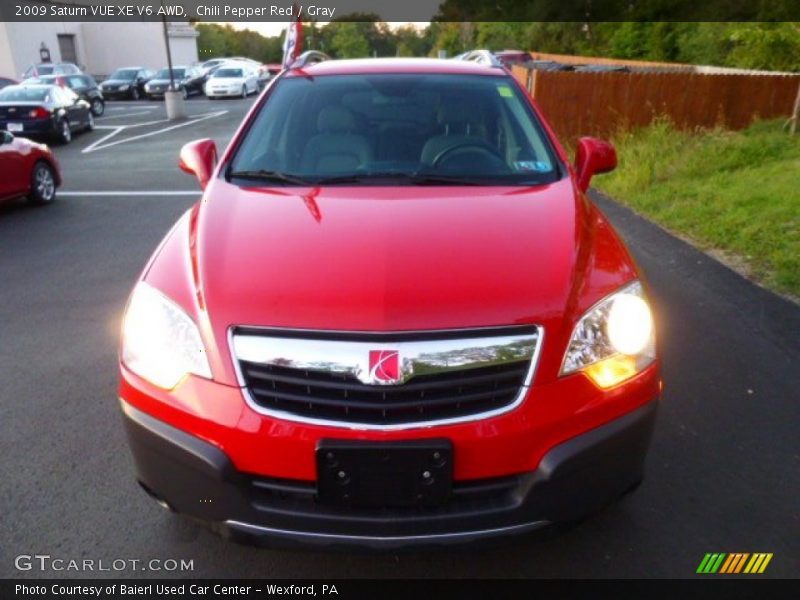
x: 146, y: 111
x: 99, y: 144
x: 131, y: 193
x: 93, y: 145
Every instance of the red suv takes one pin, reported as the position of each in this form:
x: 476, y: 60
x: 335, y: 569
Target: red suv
x: 394, y: 319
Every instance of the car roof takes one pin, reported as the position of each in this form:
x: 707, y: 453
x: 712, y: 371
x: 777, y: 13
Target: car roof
x: 396, y: 65
x: 32, y: 85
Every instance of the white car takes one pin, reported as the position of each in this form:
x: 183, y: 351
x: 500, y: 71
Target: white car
x: 232, y: 80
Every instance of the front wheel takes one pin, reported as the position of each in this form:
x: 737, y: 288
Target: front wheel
x: 135, y: 94
x: 98, y: 107
x: 64, y: 132
x: 244, y: 91
x: 185, y: 93
x: 43, y: 184
x: 90, y: 122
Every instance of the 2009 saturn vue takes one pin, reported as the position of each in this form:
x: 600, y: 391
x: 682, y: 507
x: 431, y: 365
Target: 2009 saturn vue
x: 394, y: 318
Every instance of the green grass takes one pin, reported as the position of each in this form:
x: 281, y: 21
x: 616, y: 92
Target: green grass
x: 735, y: 192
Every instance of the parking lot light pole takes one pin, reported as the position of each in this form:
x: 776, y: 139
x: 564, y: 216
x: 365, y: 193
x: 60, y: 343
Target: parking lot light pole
x: 173, y: 98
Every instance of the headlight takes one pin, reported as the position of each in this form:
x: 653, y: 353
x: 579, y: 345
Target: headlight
x: 124, y: 88
x: 147, y: 87
x: 614, y: 340
x: 160, y: 342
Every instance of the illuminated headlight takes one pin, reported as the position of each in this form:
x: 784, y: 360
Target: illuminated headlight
x: 124, y: 88
x: 614, y: 340
x: 147, y: 87
x: 160, y: 342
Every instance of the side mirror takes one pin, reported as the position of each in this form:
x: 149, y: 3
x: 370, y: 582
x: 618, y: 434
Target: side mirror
x: 199, y: 158
x: 6, y: 137
x: 593, y: 157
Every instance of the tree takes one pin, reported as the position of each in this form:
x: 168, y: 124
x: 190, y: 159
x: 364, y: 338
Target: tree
x: 348, y: 42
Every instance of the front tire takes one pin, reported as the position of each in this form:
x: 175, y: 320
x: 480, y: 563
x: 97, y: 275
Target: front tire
x: 90, y: 122
x: 135, y: 94
x: 43, y: 184
x: 244, y: 91
x: 185, y: 93
x: 98, y: 107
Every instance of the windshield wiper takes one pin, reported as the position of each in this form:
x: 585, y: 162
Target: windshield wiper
x: 264, y: 175
x: 414, y: 178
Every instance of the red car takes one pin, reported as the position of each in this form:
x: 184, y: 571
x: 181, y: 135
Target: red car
x: 27, y: 169
x: 394, y: 319
x: 512, y: 57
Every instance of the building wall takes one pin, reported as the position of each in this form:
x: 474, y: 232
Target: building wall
x: 101, y: 47
x: 7, y: 65
x: 24, y: 40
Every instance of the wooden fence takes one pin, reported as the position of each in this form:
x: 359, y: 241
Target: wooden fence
x: 599, y: 103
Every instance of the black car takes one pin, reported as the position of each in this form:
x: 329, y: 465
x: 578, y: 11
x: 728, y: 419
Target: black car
x: 39, y: 110
x: 188, y: 80
x: 83, y: 85
x: 126, y: 83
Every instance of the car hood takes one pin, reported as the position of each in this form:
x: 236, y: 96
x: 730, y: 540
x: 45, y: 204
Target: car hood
x: 226, y: 80
x: 384, y: 259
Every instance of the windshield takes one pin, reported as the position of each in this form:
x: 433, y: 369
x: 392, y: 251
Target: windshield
x: 395, y: 129
x: 164, y: 73
x: 227, y: 73
x: 125, y: 74
x: 25, y: 94
x: 44, y: 69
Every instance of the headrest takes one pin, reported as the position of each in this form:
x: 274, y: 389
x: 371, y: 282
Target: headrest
x: 454, y: 112
x: 335, y: 119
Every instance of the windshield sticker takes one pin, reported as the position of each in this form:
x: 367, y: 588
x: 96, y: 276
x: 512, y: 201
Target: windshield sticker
x: 531, y: 165
x: 505, y: 91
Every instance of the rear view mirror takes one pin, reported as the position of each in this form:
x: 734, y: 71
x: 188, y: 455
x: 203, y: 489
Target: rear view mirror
x: 593, y: 157
x: 199, y: 158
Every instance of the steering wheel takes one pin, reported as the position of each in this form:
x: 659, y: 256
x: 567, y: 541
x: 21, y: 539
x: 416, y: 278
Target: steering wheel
x: 478, y: 145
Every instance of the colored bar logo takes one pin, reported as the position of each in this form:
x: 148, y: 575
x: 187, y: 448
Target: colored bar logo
x: 734, y: 563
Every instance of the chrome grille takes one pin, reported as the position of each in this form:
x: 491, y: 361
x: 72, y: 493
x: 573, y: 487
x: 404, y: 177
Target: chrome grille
x: 441, y: 377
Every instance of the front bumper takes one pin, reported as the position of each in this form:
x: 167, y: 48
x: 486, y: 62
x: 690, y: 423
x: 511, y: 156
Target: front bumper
x: 223, y: 93
x: 574, y: 478
x: 117, y: 94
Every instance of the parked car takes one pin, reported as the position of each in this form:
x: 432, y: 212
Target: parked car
x: 513, y: 57
x: 600, y: 68
x: 208, y: 66
x: 188, y: 80
x: 395, y: 318
x: 6, y: 81
x: 83, y: 85
x: 49, y: 68
x: 126, y: 83
x: 44, y: 110
x: 267, y: 72
x: 27, y: 169
x: 230, y: 79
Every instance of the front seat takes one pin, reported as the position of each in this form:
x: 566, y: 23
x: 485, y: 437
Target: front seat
x: 460, y: 127
x: 336, y: 148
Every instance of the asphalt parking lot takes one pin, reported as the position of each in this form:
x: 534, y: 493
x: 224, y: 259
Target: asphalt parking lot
x: 723, y: 473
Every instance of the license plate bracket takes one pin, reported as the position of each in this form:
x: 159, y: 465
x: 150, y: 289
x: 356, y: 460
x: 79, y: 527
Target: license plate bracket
x: 15, y: 127
x: 384, y: 474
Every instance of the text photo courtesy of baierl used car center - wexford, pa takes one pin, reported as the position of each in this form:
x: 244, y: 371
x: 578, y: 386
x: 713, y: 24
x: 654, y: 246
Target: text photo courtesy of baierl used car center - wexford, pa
x: 360, y: 299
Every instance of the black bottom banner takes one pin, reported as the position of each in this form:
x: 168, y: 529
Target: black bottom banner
x: 417, y: 589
